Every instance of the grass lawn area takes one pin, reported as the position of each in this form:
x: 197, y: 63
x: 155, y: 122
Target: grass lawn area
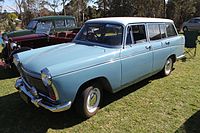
x: 169, y: 104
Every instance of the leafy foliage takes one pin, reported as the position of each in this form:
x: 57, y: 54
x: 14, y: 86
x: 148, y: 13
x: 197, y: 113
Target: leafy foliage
x: 8, y: 22
x: 178, y: 10
x: 182, y: 10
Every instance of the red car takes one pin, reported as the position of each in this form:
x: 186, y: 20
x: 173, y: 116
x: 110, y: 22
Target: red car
x: 47, y: 32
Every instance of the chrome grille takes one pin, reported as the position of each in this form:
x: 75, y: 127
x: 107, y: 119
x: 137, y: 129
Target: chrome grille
x: 33, y: 81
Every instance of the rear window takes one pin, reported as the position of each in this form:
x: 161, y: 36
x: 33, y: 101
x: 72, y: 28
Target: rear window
x: 154, y: 32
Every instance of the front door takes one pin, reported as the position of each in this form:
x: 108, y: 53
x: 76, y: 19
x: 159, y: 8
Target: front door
x: 136, y: 57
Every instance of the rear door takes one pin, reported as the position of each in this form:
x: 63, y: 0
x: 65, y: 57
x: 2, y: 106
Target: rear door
x: 176, y: 42
x: 136, y: 57
x: 160, y: 45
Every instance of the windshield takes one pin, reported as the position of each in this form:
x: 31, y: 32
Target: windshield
x: 43, y: 27
x: 106, y: 34
x: 32, y: 24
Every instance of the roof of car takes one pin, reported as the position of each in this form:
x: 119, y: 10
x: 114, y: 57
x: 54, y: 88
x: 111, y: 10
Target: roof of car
x: 196, y: 18
x: 127, y: 20
x: 53, y: 17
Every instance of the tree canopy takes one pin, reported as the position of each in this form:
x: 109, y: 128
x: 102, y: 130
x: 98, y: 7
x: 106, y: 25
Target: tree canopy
x: 178, y: 10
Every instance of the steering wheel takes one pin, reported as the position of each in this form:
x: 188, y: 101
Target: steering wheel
x: 92, y: 36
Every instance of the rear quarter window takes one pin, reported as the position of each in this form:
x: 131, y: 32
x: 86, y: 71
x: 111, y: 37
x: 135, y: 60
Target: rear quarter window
x: 170, y: 30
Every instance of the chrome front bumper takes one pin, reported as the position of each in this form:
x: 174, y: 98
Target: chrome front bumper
x: 31, y: 94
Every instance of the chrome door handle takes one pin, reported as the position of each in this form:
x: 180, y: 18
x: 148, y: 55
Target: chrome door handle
x: 167, y: 43
x: 148, y: 47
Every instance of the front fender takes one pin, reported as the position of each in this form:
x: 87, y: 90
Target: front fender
x: 68, y: 84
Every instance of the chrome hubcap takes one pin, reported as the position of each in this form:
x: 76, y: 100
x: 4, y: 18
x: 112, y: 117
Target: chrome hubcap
x: 93, y: 100
x: 168, y: 66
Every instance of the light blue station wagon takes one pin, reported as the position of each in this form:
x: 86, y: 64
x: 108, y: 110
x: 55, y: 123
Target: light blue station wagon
x: 107, y: 54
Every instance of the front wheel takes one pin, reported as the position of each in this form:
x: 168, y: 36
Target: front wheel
x: 89, y: 101
x: 167, y: 67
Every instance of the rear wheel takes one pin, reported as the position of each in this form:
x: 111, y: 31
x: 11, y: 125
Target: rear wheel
x: 89, y: 100
x: 167, y: 67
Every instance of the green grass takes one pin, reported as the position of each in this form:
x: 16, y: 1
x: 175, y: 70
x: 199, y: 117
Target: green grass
x: 169, y: 104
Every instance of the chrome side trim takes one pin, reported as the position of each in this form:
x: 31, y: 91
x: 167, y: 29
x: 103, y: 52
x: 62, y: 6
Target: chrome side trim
x: 38, y: 102
x: 180, y: 57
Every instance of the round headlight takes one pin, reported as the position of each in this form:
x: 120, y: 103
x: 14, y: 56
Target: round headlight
x: 46, y: 77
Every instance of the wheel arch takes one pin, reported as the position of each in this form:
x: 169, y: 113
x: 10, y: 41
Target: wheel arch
x: 173, y: 56
x: 103, y: 81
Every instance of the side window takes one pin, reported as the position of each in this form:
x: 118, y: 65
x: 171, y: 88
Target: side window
x: 170, y: 30
x: 59, y: 24
x: 136, y: 34
x: 154, y: 32
x: 197, y: 21
x: 70, y: 23
x: 192, y: 21
x: 163, y: 31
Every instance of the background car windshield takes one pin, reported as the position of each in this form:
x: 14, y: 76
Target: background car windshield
x: 107, y: 34
x: 32, y: 24
x: 44, y: 27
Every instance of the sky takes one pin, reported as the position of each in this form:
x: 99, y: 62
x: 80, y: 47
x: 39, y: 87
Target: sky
x: 9, y: 5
